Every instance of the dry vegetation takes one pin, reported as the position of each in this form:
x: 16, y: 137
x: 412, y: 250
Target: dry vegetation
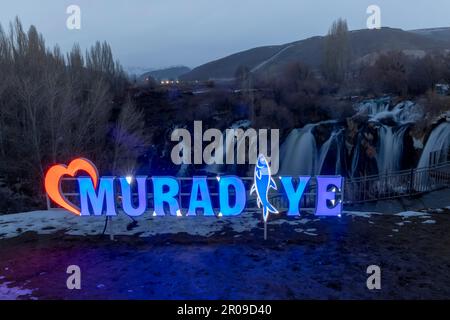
x: 53, y: 107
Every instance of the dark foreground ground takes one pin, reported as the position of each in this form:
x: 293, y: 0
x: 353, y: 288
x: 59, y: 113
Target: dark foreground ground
x: 326, y: 260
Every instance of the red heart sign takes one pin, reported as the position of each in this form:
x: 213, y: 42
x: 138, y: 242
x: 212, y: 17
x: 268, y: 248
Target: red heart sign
x: 53, y: 181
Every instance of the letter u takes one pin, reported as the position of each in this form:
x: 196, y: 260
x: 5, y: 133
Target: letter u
x: 127, y: 198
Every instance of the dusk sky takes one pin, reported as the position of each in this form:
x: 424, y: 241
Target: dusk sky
x: 160, y: 33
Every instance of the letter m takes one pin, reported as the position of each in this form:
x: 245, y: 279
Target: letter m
x: 88, y: 195
x: 247, y: 138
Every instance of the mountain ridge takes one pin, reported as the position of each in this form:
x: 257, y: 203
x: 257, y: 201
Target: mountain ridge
x: 310, y: 51
x: 169, y: 73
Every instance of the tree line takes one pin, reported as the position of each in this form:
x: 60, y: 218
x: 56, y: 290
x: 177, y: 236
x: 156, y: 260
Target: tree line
x: 55, y: 106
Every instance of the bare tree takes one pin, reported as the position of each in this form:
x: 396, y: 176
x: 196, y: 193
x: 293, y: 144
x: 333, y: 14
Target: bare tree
x: 54, y: 107
x: 130, y: 139
x: 337, y: 52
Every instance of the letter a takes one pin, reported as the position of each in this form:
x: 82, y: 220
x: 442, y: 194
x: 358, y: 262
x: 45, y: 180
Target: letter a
x: 374, y: 20
x: 74, y: 281
x: 374, y: 281
x: 74, y: 20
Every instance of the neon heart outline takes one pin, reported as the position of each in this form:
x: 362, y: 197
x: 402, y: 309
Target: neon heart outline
x: 53, y: 181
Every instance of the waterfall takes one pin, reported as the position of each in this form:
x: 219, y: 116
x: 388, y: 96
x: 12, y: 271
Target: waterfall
x: 224, y: 148
x: 299, y: 154
x: 374, y: 106
x: 390, y: 148
x: 184, y: 168
x: 355, y: 158
x: 324, y: 150
x: 437, y: 145
x: 403, y: 113
x: 230, y: 147
x: 183, y: 171
x: 407, y: 112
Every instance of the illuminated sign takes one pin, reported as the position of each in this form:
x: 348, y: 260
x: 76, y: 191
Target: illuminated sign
x: 263, y: 181
x: 99, y: 195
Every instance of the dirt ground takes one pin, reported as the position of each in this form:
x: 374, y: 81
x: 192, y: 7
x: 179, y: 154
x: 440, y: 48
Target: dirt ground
x: 324, y: 258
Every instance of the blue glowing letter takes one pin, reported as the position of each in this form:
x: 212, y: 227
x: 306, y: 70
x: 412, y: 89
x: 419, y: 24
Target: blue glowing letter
x: 88, y: 195
x: 168, y: 197
x: 127, y: 202
x: 224, y: 185
x: 327, y: 204
x: 294, y: 196
x: 200, y: 186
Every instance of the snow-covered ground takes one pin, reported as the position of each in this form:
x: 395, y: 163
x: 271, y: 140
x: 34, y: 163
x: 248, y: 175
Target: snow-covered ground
x: 48, y: 222
x: 226, y: 258
x: 12, y: 293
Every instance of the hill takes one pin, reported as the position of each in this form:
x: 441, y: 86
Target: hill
x: 310, y: 51
x: 442, y: 34
x: 171, y: 73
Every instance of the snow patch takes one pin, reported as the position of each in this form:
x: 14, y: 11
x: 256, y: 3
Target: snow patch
x: 59, y: 220
x: 362, y: 214
x: 12, y: 293
x: 409, y: 214
x: 48, y: 222
x: 310, y: 234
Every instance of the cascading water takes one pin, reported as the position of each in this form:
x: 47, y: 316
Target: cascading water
x: 435, y: 152
x: 224, y: 148
x: 229, y: 146
x: 379, y: 111
x: 184, y: 168
x: 325, y: 149
x: 355, y: 158
x: 393, y: 123
x: 299, y: 154
x: 374, y: 106
x: 390, y: 148
x: 437, y: 146
x: 403, y: 113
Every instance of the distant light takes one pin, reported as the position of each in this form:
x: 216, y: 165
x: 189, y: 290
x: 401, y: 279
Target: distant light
x: 129, y: 179
x: 220, y: 214
x: 179, y: 213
